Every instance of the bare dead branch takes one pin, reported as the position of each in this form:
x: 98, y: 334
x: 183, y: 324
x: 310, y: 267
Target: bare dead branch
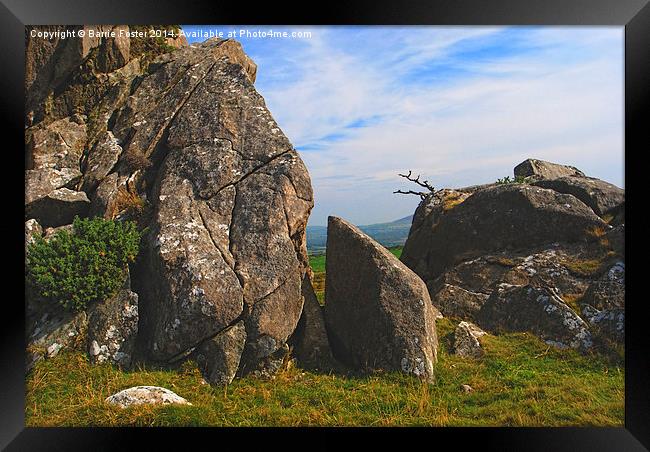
x: 411, y: 192
x: 424, y: 184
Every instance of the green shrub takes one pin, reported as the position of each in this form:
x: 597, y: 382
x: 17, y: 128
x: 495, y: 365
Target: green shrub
x: 86, y: 266
x: 507, y: 180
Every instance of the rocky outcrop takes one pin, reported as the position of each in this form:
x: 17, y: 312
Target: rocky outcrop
x: 538, y: 310
x: 466, y: 343
x: 545, y: 234
x: 540, y: 169
x: 377, y: 312
x: 227, y: 197
x: 149, y: 395
x: 503, y: 217
x: 601, y: 196
x: 310, y: 343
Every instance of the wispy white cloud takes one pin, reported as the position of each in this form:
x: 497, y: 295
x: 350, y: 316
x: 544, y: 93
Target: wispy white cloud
x: 459, y: 105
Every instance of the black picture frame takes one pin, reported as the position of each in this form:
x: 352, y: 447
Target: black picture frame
x: 634, y: 15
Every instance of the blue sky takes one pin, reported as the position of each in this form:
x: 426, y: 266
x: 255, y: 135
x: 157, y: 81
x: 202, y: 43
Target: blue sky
x: 458, y: 105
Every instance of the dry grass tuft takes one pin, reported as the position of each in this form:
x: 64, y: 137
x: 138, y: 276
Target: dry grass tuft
x: 136, y: 161
x: 452, y: 200
x: 128, y: 202
x: 587, y: 268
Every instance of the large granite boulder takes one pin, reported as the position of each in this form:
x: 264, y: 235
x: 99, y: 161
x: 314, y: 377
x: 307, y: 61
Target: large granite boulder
x: 538, y: 310
x: 231, y: 200
x: 227, y: 197
x: 601, y: 196
x: 540, y: 169
x: 494, y: 219
x: 377, y: 311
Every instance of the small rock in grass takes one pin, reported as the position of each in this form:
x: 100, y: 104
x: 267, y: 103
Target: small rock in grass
x: 153, y: 395
x: 466, y: 388
x: 466, y: 340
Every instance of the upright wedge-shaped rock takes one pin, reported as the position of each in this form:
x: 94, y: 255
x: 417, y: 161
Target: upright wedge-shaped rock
x: 377, y: 311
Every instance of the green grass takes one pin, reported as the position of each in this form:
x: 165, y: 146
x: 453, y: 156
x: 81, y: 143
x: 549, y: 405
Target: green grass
x: 519, y: 381
x: 317, y: 263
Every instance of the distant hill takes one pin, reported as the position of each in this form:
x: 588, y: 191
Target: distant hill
x: 389, y: 234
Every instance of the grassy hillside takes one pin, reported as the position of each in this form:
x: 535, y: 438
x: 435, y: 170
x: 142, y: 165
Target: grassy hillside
x: 520, y: 381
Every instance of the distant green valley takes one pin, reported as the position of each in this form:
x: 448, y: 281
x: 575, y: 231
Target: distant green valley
x: 390, y: 234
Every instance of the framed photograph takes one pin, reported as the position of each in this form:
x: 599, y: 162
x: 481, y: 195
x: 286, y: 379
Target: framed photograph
x: 381, y: 217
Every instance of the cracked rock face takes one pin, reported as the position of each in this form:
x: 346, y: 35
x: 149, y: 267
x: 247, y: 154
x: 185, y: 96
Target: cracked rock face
x: 608, y: 292
x: 219, y: 357
x: 601, y: 196
x: 231, y: 198
x: 101, y: 160
x: 112, y: 329
x: 538, y: 310
x: 377, y: 311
